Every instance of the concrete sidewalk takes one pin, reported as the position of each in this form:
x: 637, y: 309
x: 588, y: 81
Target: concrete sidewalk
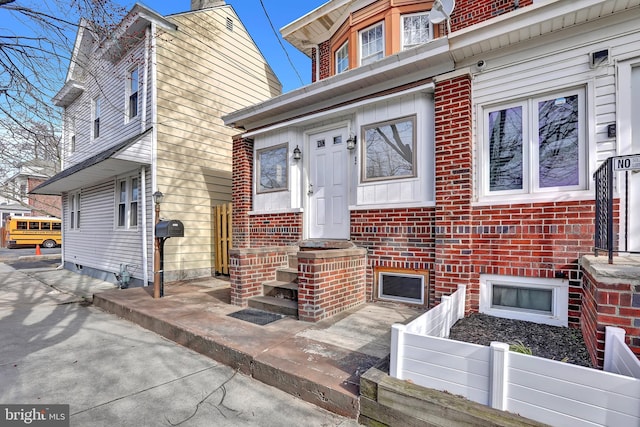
x: 317, y: 362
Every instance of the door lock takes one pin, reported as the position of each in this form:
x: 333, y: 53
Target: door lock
x: 310, y: 190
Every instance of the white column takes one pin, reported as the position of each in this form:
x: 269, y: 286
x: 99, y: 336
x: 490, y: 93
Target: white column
x: 498, y: 375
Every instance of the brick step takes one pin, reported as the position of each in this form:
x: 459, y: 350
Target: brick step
x: 280, y: 289
x: 275, y: 305
x: 287, y: 275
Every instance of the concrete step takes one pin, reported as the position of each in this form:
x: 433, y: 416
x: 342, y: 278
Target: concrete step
x: 287, y: 275
x: 278, y: 289
x: 275, y: 305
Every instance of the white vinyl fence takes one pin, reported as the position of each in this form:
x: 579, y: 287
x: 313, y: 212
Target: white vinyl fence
x: 548, y: 391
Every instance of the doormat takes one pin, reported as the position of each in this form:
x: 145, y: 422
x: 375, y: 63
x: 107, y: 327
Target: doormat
x: 257, y: 317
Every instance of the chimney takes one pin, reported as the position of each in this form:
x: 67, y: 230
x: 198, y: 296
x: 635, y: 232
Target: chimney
x: 205, y: 4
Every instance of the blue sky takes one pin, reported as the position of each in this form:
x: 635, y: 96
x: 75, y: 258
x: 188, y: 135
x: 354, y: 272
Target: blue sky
x: 282, y: 12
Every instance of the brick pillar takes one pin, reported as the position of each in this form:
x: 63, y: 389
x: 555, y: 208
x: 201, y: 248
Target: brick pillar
x: 454, y: 189
x: 241, y: 190
x: 325, y: 60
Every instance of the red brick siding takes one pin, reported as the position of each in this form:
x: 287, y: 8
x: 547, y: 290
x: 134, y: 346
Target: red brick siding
x: 242, y: 177
x: 609, y: 304
x: 270, y: 229
x: 470, y: 12
x: 453, y: 147
x: 535, y: 240
x: 395, y: 238
x: 325, y: 60
x: 330, y: 282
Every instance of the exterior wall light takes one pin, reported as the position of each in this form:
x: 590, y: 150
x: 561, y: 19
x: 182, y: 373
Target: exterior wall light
x: 297, y: 154
x: 351, y: 143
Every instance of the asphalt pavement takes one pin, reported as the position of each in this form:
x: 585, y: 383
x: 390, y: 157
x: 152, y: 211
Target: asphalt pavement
x: 59, y: 349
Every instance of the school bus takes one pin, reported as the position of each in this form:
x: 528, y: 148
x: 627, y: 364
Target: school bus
x: 32, y: 231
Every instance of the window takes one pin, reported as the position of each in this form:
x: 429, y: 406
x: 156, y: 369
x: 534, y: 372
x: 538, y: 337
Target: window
x: 536, y: 145
x: 416, y: 30
x: 132, y: 90
x: 272, y: 169
x: 389, y: 150
x: 34, y: 225
x: 22, y: 225
x: 45, y: 226
x: 371, y: 44
x: 402, y: 285
x: 532, y: 299
x: 72, y: 135
x: 342, y: 58
x: 127, y: 206
x: 74, y: 211
x: 96, y: 117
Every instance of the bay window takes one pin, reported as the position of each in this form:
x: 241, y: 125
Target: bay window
x: 371, y: 44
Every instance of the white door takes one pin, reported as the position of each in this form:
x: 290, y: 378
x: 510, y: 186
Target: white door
x: 328, y: 213
x: 634, y: 177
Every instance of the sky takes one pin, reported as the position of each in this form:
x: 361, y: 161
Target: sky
x: 251, y: 13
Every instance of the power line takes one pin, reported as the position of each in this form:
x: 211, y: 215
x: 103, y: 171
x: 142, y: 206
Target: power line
x: 280, y: 41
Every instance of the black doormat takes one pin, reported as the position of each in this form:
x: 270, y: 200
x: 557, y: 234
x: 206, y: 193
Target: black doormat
x: 257, y: 317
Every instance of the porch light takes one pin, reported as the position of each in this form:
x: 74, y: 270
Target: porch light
x: 157, y: 197
x: 351, y: 143
x: 297, y: 154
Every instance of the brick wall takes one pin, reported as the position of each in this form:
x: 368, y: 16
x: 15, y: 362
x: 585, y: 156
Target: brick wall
x: 395, y: 238
x: 609, y: 301
x: 535, y: 240
x: 453, y: 148
x: 242, y: 177
x: 325, y: 60
x: 330, y: 282
x: 282, y: 228
x: 42, y: 204
x: 469, y: 12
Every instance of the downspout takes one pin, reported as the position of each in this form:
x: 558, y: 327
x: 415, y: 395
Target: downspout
x: 145, y: 244
x: 154, y: 115
x: 145, y: 80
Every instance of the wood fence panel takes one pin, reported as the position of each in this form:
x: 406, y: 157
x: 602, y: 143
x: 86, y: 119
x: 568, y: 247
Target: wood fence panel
x: 222, y: 237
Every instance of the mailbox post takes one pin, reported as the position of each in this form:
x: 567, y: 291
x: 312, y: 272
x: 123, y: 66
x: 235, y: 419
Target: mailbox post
x: 165, y: 230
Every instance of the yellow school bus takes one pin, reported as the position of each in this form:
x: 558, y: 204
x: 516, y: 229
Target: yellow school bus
x: 32, y: 231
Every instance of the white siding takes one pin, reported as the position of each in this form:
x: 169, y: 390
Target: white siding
x: 557, y: 62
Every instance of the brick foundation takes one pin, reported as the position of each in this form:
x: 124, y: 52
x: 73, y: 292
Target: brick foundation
x: 611, y: 298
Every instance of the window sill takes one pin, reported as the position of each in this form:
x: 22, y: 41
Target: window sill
x: 512, y: 199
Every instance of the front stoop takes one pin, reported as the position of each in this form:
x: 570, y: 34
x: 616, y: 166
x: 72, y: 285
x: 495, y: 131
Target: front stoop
x: 281, y: 295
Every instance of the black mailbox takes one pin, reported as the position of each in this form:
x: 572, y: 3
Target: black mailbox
x: 170, y: 228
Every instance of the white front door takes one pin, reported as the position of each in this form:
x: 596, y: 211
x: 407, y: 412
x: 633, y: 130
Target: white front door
x: 328, y: 210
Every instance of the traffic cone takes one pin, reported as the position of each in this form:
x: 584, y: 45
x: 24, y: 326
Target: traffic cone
x: 38, y: 250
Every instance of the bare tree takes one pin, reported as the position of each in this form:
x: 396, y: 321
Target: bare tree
x: 35, y: 51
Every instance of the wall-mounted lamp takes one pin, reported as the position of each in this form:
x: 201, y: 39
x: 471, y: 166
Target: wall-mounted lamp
x: 157, y: 197
x: 351, y: 143
x: 297, y: 154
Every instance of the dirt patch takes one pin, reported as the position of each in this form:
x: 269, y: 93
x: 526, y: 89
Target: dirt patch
x: 551, y: 342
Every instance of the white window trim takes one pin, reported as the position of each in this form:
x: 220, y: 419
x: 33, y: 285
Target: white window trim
x: 95, y: 106
x: 407, y: 15
x: 559, y: 299
x: 75, y: 210
x: 345, y: 47
x: 128, y: 92
x: 128, y: 202
x: 531, y: 189
x: 378, y: 24
x: 258, y: 169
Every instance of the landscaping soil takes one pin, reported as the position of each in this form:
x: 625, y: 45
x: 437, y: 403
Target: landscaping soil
x: 551, y: 342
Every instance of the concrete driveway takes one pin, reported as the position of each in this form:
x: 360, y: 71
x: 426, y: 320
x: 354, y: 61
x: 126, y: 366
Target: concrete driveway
x: 58, y: 349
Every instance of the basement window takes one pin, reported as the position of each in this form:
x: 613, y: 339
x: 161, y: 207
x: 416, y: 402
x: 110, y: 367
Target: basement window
x: 408, y: 286
x: 531, y: 299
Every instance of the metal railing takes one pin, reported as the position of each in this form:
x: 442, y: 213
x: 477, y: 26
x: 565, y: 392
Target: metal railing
x: 604, y: 239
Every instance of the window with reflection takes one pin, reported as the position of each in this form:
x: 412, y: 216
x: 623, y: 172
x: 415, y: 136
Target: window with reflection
x: 271, y: 169
x: 389, y: 149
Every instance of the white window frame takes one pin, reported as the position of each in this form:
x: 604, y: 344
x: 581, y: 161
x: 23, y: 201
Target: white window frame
x: 130, y: 92
x: 283, y: 173
x: 342, y: 53
x: 559, y: 315
x: 378, y: 54
x: 95, y: 117
x: 402, y: 30
x: 128, y: 203
x: 530, y: 176
x: 75, y: 206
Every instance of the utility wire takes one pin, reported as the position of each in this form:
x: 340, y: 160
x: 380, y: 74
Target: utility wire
x: 280, y: 41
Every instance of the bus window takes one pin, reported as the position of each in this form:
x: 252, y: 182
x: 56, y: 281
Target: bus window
x: 21, y: 225
x: 45, y: 226
x: 34, y: 225
x: 56, y: 226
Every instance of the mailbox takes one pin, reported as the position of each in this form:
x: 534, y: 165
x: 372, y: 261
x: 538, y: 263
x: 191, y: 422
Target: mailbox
x: 170, y: 228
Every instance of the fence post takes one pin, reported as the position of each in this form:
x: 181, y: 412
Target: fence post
x: 461, y: 300
x: 447, y: 311
x: 498, y: 375
x: 397, y: 350
x: 611, y: 332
